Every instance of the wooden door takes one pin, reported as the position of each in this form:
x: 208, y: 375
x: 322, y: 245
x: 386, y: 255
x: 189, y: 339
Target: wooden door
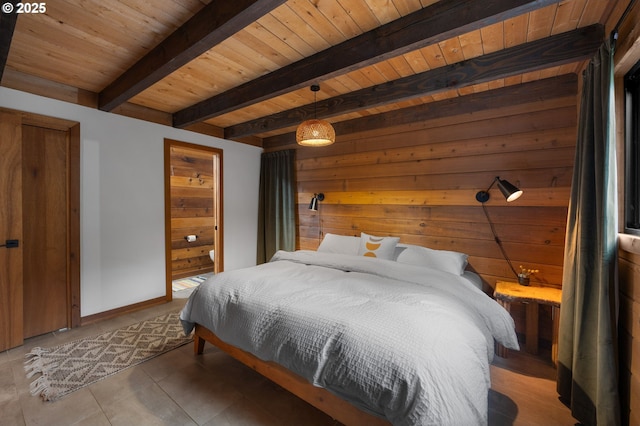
x: 11, y: 331
x: 45, y: 180
x: 40, y: 209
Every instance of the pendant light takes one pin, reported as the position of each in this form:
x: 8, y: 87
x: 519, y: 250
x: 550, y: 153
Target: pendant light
x: 315, y: 132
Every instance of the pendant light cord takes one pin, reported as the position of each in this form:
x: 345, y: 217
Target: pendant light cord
x: 315, y: 88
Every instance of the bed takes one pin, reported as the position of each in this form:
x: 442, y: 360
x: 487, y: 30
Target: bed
x: 370, y: 336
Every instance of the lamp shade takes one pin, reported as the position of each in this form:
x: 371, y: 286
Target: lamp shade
x: 313, y: 205
x: 510, y: 191
x: 315, y: 132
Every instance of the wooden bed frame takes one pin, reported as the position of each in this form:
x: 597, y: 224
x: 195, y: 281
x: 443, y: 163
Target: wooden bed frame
x: 320, y: 398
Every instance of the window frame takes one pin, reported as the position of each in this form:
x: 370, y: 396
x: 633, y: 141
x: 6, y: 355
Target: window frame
x: 632, y: 151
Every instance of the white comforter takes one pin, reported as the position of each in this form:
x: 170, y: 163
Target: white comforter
x: 410, y: 344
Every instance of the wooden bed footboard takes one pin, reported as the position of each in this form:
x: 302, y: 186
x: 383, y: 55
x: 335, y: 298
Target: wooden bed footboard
x: 320, y: 398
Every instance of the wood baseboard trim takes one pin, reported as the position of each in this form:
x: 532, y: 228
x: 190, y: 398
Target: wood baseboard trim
x: 90, y: 319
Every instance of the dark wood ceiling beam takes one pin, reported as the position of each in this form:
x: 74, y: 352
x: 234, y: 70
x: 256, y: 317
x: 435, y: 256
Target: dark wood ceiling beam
x: 556, y: 50
x: 216, y: 22
x: 7, y: 26
x: 539, y: 90
x: 440, y: 21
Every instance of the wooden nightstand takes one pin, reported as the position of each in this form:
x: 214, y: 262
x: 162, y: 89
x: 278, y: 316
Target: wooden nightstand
x: 507, y: 292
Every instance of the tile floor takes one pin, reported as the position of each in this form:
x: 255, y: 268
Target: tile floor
x: 178, y: 388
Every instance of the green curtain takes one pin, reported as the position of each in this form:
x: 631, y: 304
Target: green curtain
x: 276, y: 208
x: 587, y: 346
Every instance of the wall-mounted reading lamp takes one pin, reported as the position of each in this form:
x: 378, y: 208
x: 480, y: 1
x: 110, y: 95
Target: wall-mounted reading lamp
x: 314, y: 206
x: 314, y: 201
x: 511, y: 193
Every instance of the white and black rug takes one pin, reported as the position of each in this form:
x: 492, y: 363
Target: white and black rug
x: 74, y: 365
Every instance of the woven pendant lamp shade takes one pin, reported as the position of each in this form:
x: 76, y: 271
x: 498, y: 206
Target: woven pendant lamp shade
x: 315, y: 132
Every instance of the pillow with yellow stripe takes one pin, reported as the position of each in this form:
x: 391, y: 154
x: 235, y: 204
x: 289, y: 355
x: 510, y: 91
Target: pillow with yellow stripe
x: 379, y: 247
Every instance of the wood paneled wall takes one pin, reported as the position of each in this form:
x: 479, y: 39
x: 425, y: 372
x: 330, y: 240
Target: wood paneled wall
x: 629, y: 338
x: 626, y: 56
x: 192, y: 211
x: 418, y: 181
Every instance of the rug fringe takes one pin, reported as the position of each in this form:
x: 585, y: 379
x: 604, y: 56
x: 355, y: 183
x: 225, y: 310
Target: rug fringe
x: 34, y: 362
x: 40, y: 386
x: 35, y: 365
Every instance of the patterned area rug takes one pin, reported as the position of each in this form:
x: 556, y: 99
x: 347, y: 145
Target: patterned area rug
x: 74, y: 365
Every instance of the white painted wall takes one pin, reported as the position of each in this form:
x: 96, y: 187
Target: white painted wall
x: 122, y: 200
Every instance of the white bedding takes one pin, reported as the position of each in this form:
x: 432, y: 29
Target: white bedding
x: 407, y: 343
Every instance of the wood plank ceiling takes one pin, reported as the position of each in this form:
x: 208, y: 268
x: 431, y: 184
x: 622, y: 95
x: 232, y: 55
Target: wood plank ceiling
x: 244, y: 67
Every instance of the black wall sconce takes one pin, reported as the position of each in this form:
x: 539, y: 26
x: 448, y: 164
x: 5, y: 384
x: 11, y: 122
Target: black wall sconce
x: 314, y: 201
x: 511, y: 193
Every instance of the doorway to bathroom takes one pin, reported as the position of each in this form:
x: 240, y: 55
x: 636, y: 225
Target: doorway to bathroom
x: 193, y: 212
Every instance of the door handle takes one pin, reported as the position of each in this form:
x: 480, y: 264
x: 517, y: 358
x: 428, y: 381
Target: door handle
x: 10, y: 244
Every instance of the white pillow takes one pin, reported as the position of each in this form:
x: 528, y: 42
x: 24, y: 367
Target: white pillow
x: 443, y: 260
x: 379, y: 247
x: 340, y: 244
x: 399, y: 249
x: 473, y: 278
